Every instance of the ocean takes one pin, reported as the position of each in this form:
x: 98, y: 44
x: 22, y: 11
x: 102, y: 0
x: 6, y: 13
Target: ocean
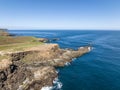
x: 96, y: 70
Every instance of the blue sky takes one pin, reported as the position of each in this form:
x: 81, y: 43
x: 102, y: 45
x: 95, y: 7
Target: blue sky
x: 60, y: 14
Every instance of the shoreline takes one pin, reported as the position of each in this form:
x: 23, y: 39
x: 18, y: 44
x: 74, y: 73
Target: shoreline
x: 34, y: 67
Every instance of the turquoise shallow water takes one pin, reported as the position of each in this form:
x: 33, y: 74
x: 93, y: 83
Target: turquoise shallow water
x: 97, y: 70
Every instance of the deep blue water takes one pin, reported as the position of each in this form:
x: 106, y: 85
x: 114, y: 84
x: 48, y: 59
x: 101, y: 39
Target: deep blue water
x: 97, y: 70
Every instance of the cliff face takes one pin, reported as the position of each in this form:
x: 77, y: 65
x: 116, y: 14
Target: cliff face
x: 34, y: 67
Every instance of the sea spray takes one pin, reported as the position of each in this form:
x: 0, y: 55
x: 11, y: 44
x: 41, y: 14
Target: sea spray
x: 47, y: 88
x: 67, y: 63
x: 57, y: 85
x: 74, y: 59
x: 90, y: 48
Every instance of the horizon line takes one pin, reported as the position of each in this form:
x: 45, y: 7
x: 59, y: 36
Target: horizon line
x: 70, y: 29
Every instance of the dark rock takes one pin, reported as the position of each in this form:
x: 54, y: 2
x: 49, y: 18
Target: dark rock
x: 3, y: 76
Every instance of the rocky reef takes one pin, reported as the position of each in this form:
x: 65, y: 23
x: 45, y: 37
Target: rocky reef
x: 46, y: 40
x: 34, y: 67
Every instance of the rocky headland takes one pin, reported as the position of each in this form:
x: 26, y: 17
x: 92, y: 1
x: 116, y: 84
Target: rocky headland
x: 33, y: 67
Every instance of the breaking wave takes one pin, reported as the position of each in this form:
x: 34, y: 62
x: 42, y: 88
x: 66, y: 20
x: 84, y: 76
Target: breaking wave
x: 47, y: 88
x: 57, y: 85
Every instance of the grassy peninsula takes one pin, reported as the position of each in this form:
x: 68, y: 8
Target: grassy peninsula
x: 28, y: 63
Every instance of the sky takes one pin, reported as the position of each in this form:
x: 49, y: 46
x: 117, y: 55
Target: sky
x: 60, y: 14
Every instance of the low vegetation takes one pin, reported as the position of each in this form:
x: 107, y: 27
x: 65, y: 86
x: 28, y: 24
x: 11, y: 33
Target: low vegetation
x: 11, y: 44
x: 17, y: 43
x: 4, y: 40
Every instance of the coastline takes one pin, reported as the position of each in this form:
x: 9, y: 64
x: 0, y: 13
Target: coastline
x: 34, y: 67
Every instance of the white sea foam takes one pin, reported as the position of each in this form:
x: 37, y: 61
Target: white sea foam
x: 73, y: 59
x: 57, y: 84
x: 47, y: 88
x: 89, y: 49
x: 81, y: 47
x: 67, y: 63
x: 57, y: 71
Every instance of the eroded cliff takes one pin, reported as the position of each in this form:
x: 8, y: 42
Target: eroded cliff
x: 34, y: 67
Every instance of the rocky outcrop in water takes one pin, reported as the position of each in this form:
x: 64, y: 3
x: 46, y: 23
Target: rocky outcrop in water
x: 43, y: 40
x: 34, y: 68
x: 47, y: 40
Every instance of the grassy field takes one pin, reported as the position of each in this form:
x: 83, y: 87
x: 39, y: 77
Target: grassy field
x: 17, y: 43
x: 12, y: 44
x: 12, y: 40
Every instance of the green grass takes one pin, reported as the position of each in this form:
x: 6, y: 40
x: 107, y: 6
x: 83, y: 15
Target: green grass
x: 20, y: 46
x: 17, y: 43
x: 12, y: 40
x: 12, y: 44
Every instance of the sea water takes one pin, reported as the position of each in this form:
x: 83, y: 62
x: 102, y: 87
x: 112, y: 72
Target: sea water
x: 96, y: 70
